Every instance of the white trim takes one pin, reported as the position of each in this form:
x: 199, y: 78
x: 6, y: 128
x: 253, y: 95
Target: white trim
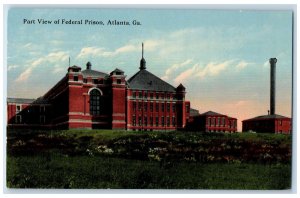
x: 85, y: 121
x: 101, y: 93
x: 76, y: 113
x: 118, y: 114
x: 118, y: 122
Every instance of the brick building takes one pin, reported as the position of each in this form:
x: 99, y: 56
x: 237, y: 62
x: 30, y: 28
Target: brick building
x: 271, y: 123
x: 93, y: 99
x: 212, y: 122
x: 268, y: 124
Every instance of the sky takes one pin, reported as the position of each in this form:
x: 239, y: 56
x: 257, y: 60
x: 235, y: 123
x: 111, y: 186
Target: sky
x: 220, y: 56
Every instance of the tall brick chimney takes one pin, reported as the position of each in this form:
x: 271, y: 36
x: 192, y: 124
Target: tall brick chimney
x: 273, y: 85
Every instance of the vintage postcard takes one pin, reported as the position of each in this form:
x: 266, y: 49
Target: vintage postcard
x: 137, y: 98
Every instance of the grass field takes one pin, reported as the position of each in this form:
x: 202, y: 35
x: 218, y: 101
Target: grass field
x: 153, y: 160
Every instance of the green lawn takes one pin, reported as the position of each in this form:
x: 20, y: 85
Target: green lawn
x: 61, y: 171
x: 154, y: 160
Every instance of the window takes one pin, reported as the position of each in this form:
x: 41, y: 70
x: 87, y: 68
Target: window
x: 18, y: 108
x: 156, y: 120
x: 157, y: 96
x: 168, y: 96
x: 140, y: 121
x: 134, y: 106
x: 157, y: 107
x: 151, y: 107
x: 42, y: 109
x: 168, y: 121
x: 168, y: 107
x: 145, y: 106
x: 162, y: 107
x: 151, y: 121
x: 151, y: 95
x: 212, y: 121
x: 119, y: 81
x: 218, y: 122
x: 75, y: 78
x: 162, y: 121
x: 145, y: 95
x: 133, y: 120
x: 95, y: 102
x: 85, y: 80
x: 140, y: 94
x: 173, y: 121
x: 140, y: 106
x: 209, y: 122
x: 18, y: 119
x: 224, y: 121
x: 162, y: 96
x: 145, y: 121
x: 101, y: 81
x: 134, y: 94
x: 173, y: 107
x: 95, y: 81
x: 42, y: 119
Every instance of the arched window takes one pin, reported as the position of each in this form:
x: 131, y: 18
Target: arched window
x: 95, y: 102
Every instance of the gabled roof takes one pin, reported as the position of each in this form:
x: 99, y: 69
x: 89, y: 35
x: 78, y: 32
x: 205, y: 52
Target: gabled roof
x: 194, y: 112
x: 263, y: 117
x: 117, y: 71
x: 75, y: 67
x: 212, y: 113
x: 144, y: 80
x: 93, y: 74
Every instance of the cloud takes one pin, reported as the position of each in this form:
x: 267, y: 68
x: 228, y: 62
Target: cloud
x: 266, y: 64
x: 174, y: 68
x: 28, y: 45
x: 25, y: 75
x: 211, y: 69
x: 11, y: 67
x: 124, y: 49
x: 186, y: 74
x: 150, y: 45
x: 53, y: 58
x: 242, y: 65
x: 95, y: 51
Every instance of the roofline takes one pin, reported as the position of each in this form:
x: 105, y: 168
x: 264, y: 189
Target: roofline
x: 55, y: 86
x: 257, y: 118
x: 8, y: 98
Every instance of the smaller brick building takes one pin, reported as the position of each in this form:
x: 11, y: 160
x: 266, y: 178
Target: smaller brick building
x: 212, y: 122
x: 268, y: 124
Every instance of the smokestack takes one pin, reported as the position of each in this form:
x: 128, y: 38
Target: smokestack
x: 273, y: 85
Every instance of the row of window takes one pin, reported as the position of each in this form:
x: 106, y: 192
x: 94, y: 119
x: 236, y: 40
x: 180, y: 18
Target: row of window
x: 19, y: 109
x: 144, y: 121
x: 144, y: 107
x: 151, y: 95
x: 18, y: 119
x: 220, y: 122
